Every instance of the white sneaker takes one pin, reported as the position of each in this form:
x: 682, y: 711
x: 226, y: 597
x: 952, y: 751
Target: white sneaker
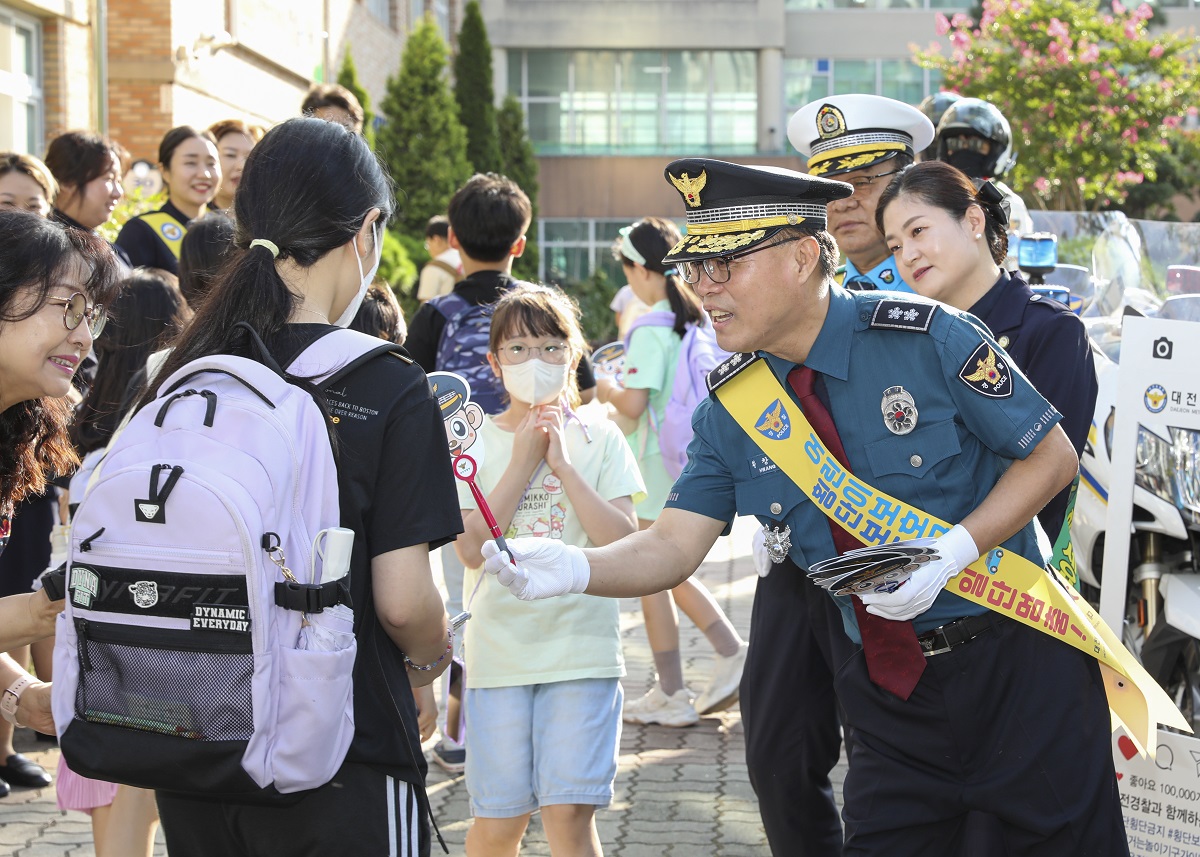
x: 722, y: 689
x: 657, y: 707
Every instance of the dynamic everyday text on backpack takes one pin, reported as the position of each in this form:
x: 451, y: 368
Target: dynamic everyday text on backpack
x: 463, y: 348
x: 186, y: 657
x: 698, y: 355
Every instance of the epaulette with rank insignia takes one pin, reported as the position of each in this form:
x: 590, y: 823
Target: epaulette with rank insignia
x: 729, y: 368
x: 895, y: 314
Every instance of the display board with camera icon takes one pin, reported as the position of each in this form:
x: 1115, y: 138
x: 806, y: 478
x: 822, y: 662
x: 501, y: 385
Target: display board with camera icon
x: 1158, y: 397
x: 1158, y: 393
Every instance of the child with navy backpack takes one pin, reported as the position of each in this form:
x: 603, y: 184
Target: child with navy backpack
x: 205, y: 553
x: 668, y: 351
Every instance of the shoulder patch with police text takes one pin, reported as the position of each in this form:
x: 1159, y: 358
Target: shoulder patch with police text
x: 986, y: 372
x: 729, y: 368
x: 902, y: 315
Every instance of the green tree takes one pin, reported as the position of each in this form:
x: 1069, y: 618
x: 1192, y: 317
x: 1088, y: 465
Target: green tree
x: 1088, y: 91
x: 423, y: 143
x: 1178, y: 174
x: 520, y: 164
x: 474, y: 93
x: 348, y: 77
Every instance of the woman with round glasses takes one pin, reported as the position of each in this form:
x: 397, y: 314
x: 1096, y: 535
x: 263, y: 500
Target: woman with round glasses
x: 651, y: 356
x: 26, y: 185
x: 54, y: 284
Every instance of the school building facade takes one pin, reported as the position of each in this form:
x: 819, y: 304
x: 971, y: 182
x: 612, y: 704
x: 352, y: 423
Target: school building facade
x: 615, y: 90
x: 136, y: 68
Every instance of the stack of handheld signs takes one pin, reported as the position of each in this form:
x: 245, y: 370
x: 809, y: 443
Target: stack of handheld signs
x: 874, y: 569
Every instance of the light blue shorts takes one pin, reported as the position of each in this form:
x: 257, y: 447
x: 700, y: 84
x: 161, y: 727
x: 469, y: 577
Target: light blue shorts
x: 542, y: 744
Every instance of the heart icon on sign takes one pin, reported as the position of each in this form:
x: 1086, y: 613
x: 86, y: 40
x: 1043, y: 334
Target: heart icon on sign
x: 1119, y: 775
x: 1126, y: 746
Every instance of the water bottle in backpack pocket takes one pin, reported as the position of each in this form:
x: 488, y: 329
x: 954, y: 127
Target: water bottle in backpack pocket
x: 180, y: 659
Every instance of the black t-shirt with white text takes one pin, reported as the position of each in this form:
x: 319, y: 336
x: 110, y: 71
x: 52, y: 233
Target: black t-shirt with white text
x: 396, y: 489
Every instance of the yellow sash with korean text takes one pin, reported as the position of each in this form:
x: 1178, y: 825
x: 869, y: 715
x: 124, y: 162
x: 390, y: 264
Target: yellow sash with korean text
x: 1001, y: 580
x: 168, y: 230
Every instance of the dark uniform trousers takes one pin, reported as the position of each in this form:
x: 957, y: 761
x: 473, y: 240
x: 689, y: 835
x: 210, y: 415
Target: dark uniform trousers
x: 978, y: 734
x: 790, y: 713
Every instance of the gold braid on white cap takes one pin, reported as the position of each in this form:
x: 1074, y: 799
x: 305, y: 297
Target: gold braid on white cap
x: 263, y: 242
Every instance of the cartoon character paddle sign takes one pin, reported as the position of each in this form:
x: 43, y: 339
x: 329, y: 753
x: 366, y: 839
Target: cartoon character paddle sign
x: 608, y: 361
x: 461, y: 416
x: 462, y: 419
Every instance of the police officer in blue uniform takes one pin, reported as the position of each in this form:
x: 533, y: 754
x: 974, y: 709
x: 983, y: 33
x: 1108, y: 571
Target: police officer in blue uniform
x: 1045, y: 340
x: 997, y: 715
x: 864, y: 140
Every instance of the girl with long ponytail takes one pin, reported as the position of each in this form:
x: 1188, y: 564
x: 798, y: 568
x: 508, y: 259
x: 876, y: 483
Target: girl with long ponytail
x: 651, y: 357
x: 310, y: 210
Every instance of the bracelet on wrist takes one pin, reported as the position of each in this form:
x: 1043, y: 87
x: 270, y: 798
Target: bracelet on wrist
x: 427, y: 667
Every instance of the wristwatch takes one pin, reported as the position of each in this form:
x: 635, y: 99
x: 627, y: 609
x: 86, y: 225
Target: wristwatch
x: 11, y: 698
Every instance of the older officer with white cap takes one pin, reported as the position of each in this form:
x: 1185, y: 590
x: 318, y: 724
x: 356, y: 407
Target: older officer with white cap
x: 863, y: 140
x: 954, y: 705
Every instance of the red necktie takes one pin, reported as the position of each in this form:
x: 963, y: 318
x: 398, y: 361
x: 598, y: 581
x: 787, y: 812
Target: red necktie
x: 894, y: 658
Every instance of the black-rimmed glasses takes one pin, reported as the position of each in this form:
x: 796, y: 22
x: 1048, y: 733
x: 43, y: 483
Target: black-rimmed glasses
x: 862, y: 184
x: 717, y: 267
x: 75, y: 309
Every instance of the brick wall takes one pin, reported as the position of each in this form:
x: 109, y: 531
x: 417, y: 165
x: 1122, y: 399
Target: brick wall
x: 141, y: 68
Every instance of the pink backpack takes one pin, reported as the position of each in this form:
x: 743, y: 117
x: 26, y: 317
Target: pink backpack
x: 698, y: 355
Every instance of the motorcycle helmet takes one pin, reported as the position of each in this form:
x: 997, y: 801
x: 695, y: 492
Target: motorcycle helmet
x: 974, y: 136
x: 934, y: 106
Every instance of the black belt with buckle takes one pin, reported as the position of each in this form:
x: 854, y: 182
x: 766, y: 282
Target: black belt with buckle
x: 943, y: 639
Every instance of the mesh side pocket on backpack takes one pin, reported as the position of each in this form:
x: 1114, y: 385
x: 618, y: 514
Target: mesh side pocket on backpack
x: 169, y: 682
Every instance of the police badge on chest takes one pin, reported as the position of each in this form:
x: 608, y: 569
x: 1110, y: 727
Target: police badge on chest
x: 899, y: 410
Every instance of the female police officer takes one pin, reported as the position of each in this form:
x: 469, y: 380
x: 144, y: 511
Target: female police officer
x: 996, y: 716
x: 956, y: 257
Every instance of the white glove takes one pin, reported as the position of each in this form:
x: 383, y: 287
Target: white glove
x: 544, y: 568
x: 916, y: 595
x: 758, y: 549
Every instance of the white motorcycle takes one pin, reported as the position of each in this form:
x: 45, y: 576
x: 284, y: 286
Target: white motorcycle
x: 1162, y: 620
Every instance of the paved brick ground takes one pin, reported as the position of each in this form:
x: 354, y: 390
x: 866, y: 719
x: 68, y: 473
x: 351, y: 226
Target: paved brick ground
x: 678, y: 791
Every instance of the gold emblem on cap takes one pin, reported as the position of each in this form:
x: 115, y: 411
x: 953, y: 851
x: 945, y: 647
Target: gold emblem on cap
x: 863, y: 160
x: 725, y: 243
x: 690, y: 187
x: 830, y: 122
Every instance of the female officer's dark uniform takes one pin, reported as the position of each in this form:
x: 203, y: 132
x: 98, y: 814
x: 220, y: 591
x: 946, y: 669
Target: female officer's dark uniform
x: 1049, y: 343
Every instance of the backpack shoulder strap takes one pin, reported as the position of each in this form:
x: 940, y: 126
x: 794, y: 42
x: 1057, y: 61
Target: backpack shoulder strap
x: 444, y: 266
x: 449, y: 305
x: 337, y: 353
x: 653, y: 318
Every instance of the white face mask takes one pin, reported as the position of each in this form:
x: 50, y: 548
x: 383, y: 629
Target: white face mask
x: 535, y: 382
x: 351, y: 309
